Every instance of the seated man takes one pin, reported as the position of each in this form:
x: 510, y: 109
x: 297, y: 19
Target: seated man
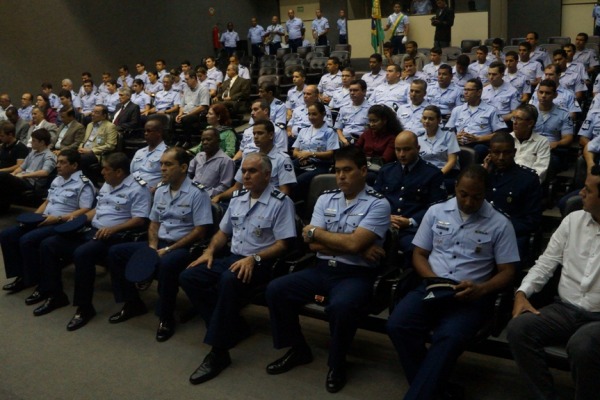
x: 21, y: 127
x: 410, y: 114
x: 410, y: 72
x: 212, y: 167
x: 465, y: 240
x: 393, y: 92
x: 70, y: 132
x: 572, y: 319
x: 347, y: 230
x: 532, y: 149
x: 412, y: 52
x: 431, y: 70
x: 145, y: 164
x: 32, y: 174
x: 341, y: 96
x: 411, y: 185
x: 234, y: 91
x: 277, y: 110
x: 71, y: 194
x: 258, y: 221
x: 499, y: 93
x: 282, y: 169
x: 127, y: 113
x: 353, y: 119
x: 166, y: 100
x: 376, y: 76
x: 460, y: 72
x: 299, y: 118
x: 331, y: 81
x: 123, y: 205
x: 38, y: 121
x: 12, y: 151
x: 100, y: 138
x: 479, y: 68
x: 180, y: 216
x: 89, y: 98
x: 295, y: 96
x: 444, y: 93
x: 193, y: 106
x: 514, y: 189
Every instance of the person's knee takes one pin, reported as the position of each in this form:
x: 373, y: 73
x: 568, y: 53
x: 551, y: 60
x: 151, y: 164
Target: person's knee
x: 517, y: 329
x: 582, y: 347
x: 275, y: 291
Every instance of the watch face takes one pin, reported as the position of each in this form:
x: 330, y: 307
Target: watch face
x: 257, y: 258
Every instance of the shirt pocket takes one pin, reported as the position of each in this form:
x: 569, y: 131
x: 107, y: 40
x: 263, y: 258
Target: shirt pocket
x: 121, y: 203
x: 183, y: 213
x: 442, y: 236
x: 259, y: 225
x: 479, y: 243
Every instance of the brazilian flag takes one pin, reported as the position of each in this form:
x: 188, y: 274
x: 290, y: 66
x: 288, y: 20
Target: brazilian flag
x: 377, y: 35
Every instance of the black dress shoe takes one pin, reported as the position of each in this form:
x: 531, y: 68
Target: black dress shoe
x: 129, y: 310
x: 15, y: 286
x: 81, y: 318
x: 36, y: 297
x: 291, y: 359
x: 336, y: 380
x: 51, y: 304
x: 165, y: 330
x: 212, y: 366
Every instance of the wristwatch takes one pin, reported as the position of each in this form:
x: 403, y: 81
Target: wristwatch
x: 167, y: 249
x: 311, y: 234
x: 257, y: 258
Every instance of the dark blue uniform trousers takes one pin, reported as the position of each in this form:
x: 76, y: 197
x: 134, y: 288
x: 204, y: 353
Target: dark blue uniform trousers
x: 81, y: 249
x: 171, y: 265
x: 453, y: 324
x: 20, y: 247
x: 347, y: 290
x: 218, y: 295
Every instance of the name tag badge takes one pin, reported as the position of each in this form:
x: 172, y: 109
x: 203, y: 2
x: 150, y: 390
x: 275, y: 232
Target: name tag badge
x: 330, y: 212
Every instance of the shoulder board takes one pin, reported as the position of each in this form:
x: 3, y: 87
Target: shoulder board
x: 374, y: 194
x: 161, y: 183
x: 278, y: 102
x: 330, y: 191
x: 238, y: 193
x: 501, y: 211
x: 199, y: 185
x: 84, y: 178
x: 277, y: 194
x: 280, y: 125
x: 140, y: 181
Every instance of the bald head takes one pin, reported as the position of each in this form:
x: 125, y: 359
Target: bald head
x: 406, y: 146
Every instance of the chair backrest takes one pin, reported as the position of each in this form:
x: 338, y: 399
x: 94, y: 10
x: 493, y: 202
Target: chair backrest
x: 466, y: 157
x: 296, y: 62
x: 274, y: 79
x: 281, y: 52
x: 318, y: 184
x: 467, y: 44
x: 343, y: 47
x: 575, y: 203
x: 303, y: 51
x: 318, y: 63
x: 267, y: 71
x: 343, y: 55
x: 593, y: 46
x: 425, y: 51
x: 452, y: 52
x: 594, y: 39
x: 312, y: 55
x: 488, y: 41
x: 559, y: 40
x: 510, y: 48
x: 516, y: 41
x: 270, y: 62
x: 323, y: 49
x: 290, y: 56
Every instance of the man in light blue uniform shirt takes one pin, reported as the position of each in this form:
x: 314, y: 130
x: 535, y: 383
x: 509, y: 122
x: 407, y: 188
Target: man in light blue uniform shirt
x: 341, y: 96
x: 565, y: 98
x: 260, y: 109
x: 377, y: 76
x: 295, y: 95
x: 123, y: 205
x: 295, y: 31
x: 259, y: 222
x: 299, y: 118
x: 500, y: 94
x: 330, y: 82
x: 274, y: 32
x: 392, y: 93
x: 342, y: 25
x: 353, y: 118
x: 320, y: 28
x: 255, y: 36
x: 410, y: 114
x: 466, y: 240
x: 145, y: 164
x: 444, y: 93
x: 230, y: 39
x: 70, y: 195
x: 180, y: 216
x: 166, y: 102
x: 347, y: 231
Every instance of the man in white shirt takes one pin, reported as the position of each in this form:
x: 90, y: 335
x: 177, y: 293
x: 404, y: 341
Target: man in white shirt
x: 573, y: 319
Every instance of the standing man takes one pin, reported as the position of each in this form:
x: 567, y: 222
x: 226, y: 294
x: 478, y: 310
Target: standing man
x: 466, y: 240
x: 342, y: 25
x: 400, y: 26
x: 255, y: 37
x: 443, y: 21
x: 295, y: 31
x: 180, y: 216
x: 572, y: 319
x: 259, y: 222
x: 320, y: 28
x: 230, y: 39
x: 273, y: 35
x: 347, y: 230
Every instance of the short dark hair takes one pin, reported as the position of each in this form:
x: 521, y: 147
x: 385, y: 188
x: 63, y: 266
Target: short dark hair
x: 434, y: 109
x: 584, y: 36
x: 503, y: 137
x: 191, y: 74
x: 359, y: 82
x: 549, y: 83
x: 139, y: 82
x: 560, y: 52
x: 570, y: 46
x: 42, y: 135
x: 463, y: 60
x: 526, y: 45
x: 351, y: 153
x: 69, y: 111
x: 446, y: 67
x: 499, y: 42
x: 320, y: 107
x: 535, y: 34
x: 436, y: 50
x: 161, y: 119
x: 351, y: 70
x: 65, y: 93
x: 263, y: 104
x: 118, y: 161
x: 474, y: 171
x: 267, y: 124
x: 72, y: 156
x: 484, y: 49
x: 477, y: 83
x: 512, y: 53
x: 181, y: 155
x: 377, y: 57
x: 556, y: 68
x: 269, y: 87
x: 530, y: 110
x: 335, y: 60
x: 8, y: 127
x: 497, y: 64
x: 300, y: 71
x: 46, y: 85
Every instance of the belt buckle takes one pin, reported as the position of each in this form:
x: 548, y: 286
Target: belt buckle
x: 332, y: 263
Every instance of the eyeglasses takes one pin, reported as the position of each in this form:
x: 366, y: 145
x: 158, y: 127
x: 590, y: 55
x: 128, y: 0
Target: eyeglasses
x: 519, y: 119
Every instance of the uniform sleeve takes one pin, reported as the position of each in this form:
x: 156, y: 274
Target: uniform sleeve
x: 515, y: 100
x: 141, y: 202
x: 452, y: 143
x: 505, y: 245
x: 201, y: 208
x: 451, y: 124
x: 286, y: 174
x: 566, y: 126
x: 333, y: 142
x: 594, y: 145
x: 318, y: 215
x: 87, y: 195
x: 496, y: 122
x: 538, y: 70
x: 227, y: 170
x: 204, y: 96
x: 49, y: 163
x: 225, y: 226
x: 285, y: 224
x: 377, y: 218
x: 424, y: 235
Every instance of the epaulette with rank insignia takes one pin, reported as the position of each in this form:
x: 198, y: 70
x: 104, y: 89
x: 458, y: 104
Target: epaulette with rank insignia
x: 277, y: 101
x: 140, y: 180
x: 330, y: 191
x: 374, y: 193
x: 500, y: 211
x: 84, y: 179
x: 278, y: 194
x: 199, y: 185
x: 238, y: 193
x: 160, y: 184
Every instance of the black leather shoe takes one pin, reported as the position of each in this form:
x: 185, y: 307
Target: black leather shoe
x: 36, y: 297
x: 51, y: 304
x: 15, y: 286
x: 291, y: 359
x: 81, y: 318
x: 336, y: 380
x: 129, y: 310
x: 165, y: 330
x: 212, y: 366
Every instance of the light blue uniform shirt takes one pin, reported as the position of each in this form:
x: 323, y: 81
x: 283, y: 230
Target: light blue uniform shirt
x: 369, y: 210
x: 178, y: 216
x: 295, y: 98
x: 275, y: 28
x: 353, y: 120
x: 25, y: 113
x: 128, y: 79
x: 483, y: 120
x: 153, y: 87
x: 431, y: 72
x: 214, y: 173
x: 541, y: 55
x: 517, y: 80
x: 247, y: 145
x: 146, y: 164
x: 329, y: 83
x: 300, y: 120
x: 255, y: 34
x: 410, y: 117
x: 165, y: 100
x: 141, y: 99
x: 340, y: 98
x: 277, y: 113
x: 253, y: 229
x: 574, y: 78
x: 68, y: 195
x: 480, y: 71
x: 435, y: 149
x: 317, y: 140
x: 88, y: 101
x: 215, y: 75
x: 282, y: 169
x: 230, y: 39
x: 461, y: 80
x: 587, y: 57
x: 342, y: 26
x: 531, y: 70
x: 373, y: 81
x: 466, y: 250
x: 117, y: 205
x: 596, y: 14
x: 320, y: 25
x: 111, y: 101
x: 144, y: 78
x: 505, y: 98
x: 565, y: 98
x: 393, y: 95
x: 591, y: 126
x: 294, y: 28
x: 554, y: 124
x: 37, y: 161
x: 446, y: 99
